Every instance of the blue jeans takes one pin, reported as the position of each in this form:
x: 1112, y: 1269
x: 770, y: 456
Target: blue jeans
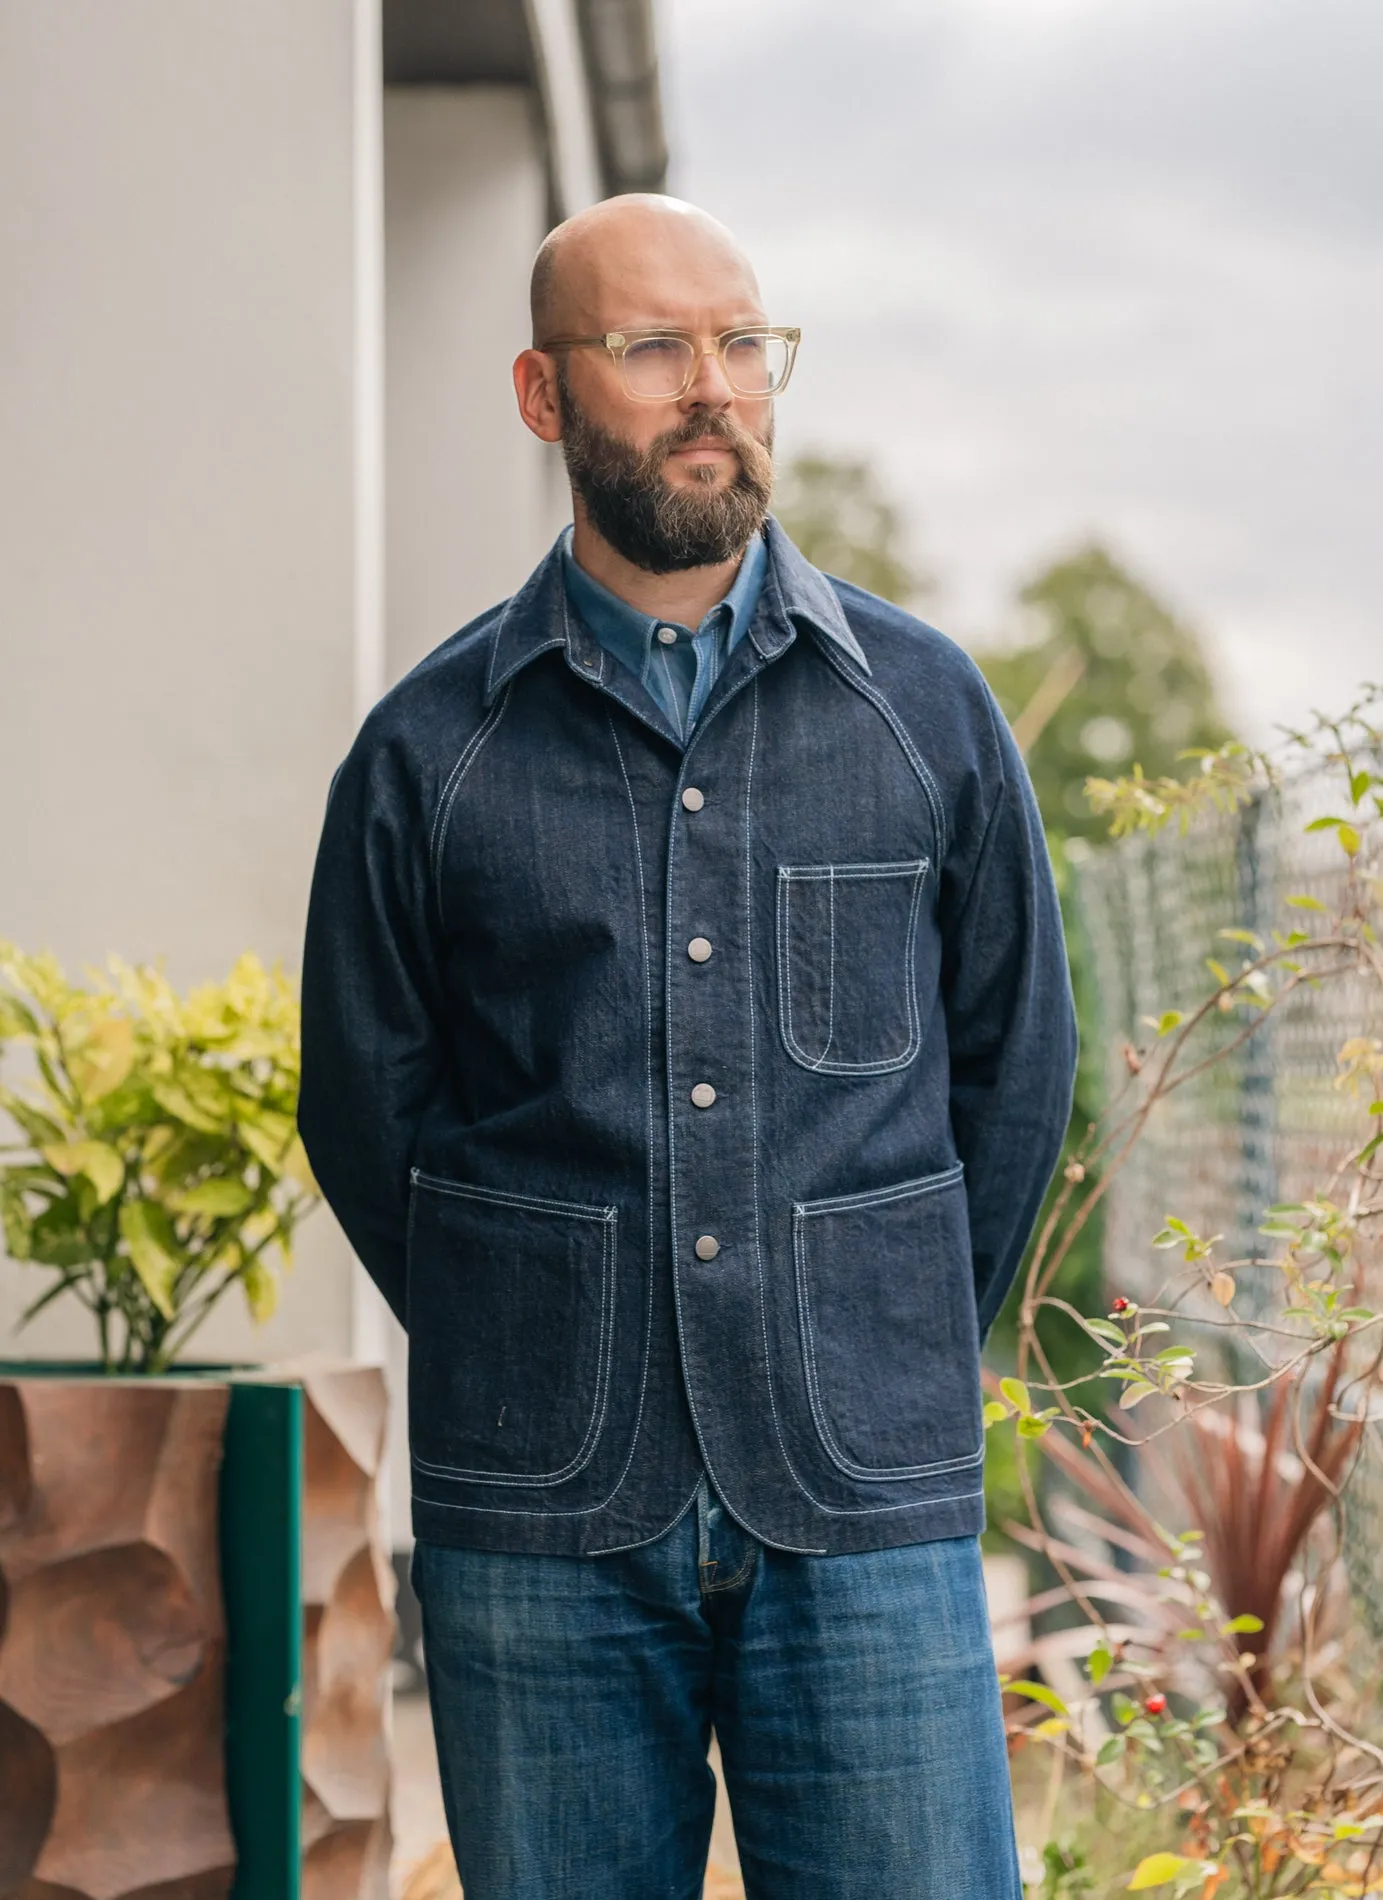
x: 854, y: 1697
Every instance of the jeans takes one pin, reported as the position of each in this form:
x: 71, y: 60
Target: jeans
x: 854, y: 1697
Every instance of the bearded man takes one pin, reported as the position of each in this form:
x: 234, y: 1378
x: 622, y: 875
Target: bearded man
x: 687, y: 1045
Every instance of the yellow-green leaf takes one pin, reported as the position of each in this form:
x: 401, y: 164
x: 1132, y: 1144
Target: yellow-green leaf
x: 174, y: 1100
x: 1016, y: 1393
x: 1168, y: 1020
x: 1156, y: 1870
x: 1300, y: 901
x: 99, y: 1162
x: 148, y: 1236
x: 994, y: 1410
x: 261, y: 1289
x: 100, y: 1055
x: 1039, y: 1692
x: 267, y: 1137
x: 1051, y: 1725
x: 1246, y: 1623
x: 1100, y: 1661
x: 219, y: 1199
x: 1349, y: 838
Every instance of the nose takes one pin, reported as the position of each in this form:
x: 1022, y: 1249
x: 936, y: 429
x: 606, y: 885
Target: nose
x: 709, y: 389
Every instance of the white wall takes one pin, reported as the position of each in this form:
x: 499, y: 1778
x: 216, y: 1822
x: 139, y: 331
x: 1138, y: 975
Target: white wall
x: 178, y: 521
x: 472, y: 498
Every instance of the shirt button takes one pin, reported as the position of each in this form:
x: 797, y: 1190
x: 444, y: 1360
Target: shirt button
x: 703, y: 1095
x: 693, y: 798
x: 668, y: 636
x: 707, y: 1247
x: 699, y: 949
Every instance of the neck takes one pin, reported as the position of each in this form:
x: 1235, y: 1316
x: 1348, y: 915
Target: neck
x: 686, y: 596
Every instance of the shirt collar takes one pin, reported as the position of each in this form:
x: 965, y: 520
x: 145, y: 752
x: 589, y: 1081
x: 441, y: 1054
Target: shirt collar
x: 628, y: 632
x: 537, y: 619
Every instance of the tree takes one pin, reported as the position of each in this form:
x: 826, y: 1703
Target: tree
x: 836, y: 512
x: 1111, y: 676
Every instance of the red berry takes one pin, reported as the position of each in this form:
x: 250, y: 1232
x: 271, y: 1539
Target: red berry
x: 1120, y: 1304
x: 1156, y: 1705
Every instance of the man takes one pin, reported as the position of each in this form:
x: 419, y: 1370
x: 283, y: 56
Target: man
x: 687, y: 1044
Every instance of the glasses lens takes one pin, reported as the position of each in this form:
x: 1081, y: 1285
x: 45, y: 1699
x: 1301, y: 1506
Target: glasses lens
x: 755, y: 364
x: 657, y: 365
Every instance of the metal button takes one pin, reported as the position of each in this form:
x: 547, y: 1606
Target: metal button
x: 699, y: 949
x: 693, y: 798
x: 703, y: 1095
x: 707, y: 1247
x: 668, y: 636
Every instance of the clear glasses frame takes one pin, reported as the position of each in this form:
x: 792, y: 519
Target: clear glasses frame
x: 620, y: 342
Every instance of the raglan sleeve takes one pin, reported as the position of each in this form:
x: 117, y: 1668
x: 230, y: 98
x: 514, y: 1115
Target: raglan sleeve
x: 1011, y: 1023
x: 372, y: 1045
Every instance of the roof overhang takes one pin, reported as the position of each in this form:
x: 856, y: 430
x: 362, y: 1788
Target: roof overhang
x: 592, y: 64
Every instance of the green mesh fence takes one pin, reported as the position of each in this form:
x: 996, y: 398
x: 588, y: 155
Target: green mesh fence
x: 1267, y: 1124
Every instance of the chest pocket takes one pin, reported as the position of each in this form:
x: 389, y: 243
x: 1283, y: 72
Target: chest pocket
x: 847, y: 985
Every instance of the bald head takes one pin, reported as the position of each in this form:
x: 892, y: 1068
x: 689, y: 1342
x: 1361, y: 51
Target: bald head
x: 638, y: 261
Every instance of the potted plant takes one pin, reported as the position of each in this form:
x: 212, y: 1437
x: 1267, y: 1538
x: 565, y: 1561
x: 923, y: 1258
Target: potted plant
x: 154, y: 1168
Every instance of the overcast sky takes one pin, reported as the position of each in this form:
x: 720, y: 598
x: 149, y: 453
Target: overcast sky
x: 1079, y: 267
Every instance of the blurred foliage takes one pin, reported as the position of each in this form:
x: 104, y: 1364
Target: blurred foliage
x: 837, y: 514
x: 1107, y: 674
x: 158, y: 1162
x: 1110, y: 675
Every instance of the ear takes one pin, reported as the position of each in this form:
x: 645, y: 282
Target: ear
x: 535, y: 385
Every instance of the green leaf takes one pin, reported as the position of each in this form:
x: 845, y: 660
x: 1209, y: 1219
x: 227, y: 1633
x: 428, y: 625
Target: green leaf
x: 1135, y: 1394
x: 994, y: 1411
x: 221, y: 1198
x: 1376, y: 1108
x: 1218, y: 971
x: 174, y: 1100
x: 39, y: 1128
x: 1350, y: 839
x: 1099, y: 1662
x: 1039, y: 1692
x: 1358, y: 785
x: 1251, y: 938
x: 1246, y: 1622
x: 148, y: 1234
x: 1156, y: 1870
x: 1168, y: 1021
x: 261, y: 1289
x: 268, y: 1138
x: 1325, y: 824
x: 1111, y: 1749
x: 1105, y: 1329
x: 1029, y: 1426
x: 1124, y: 1709
x: 1300, y: 901
x: 58, y: 1237
x: 97, y: 1160
x: 1016, y: 1393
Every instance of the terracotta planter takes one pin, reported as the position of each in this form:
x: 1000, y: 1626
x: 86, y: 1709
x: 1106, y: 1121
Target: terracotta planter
x: 189, y: 1712
x: 112, y: 1641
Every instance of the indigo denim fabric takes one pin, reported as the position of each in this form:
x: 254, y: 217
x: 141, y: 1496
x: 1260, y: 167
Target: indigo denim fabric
x: 679, y: 675
x: 542, y: 929
x: 854, y: 1698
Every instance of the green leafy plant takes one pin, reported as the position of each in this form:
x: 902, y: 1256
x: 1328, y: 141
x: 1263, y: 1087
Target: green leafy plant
x: 1221, y: 1707
x: 157, y: 1163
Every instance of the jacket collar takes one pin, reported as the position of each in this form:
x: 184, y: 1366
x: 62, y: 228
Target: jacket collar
x: 537, y: 619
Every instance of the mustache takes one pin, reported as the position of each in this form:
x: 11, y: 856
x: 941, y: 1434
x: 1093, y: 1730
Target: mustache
x: 755, y: 457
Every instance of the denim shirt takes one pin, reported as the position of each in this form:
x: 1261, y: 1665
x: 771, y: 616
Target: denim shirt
x: 689, y: 1101
x: 677, y: 666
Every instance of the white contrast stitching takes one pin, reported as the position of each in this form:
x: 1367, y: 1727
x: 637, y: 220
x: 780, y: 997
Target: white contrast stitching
x: 788, y: 874
x: 876, y: 1197
x: 872, y: 1474
x: 442, y: 816
x: 590, y: 1510
x: 609, y: 1220
x: 904, y: 738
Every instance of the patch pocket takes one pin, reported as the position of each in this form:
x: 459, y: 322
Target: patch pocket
x: 890, y: 1336
x: 509, y: 1366
x: 847, y: 985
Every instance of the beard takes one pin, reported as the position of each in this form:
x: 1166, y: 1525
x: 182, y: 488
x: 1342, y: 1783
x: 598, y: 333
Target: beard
x: 656, y: 526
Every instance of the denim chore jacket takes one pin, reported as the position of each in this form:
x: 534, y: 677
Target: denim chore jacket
x: 689, y: 1103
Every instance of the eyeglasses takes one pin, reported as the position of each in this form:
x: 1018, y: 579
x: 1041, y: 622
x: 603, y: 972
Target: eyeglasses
x: 661, y: 365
